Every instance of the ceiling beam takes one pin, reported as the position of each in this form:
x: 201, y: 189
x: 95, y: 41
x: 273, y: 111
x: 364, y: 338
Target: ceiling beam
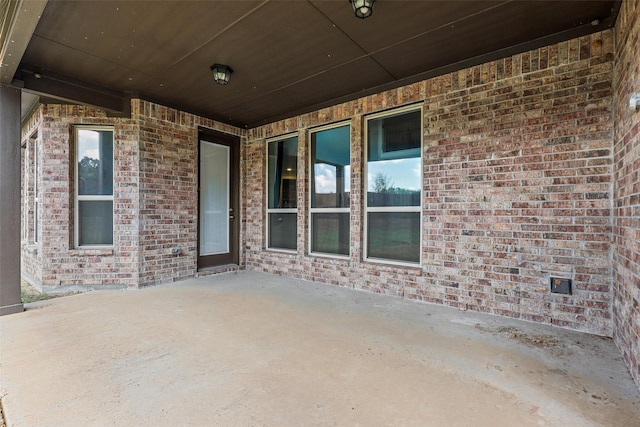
x: 52, y: 85
x: 18, y: 21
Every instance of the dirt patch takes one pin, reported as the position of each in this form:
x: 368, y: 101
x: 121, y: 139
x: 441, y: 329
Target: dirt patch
x: 2, y: 422
x: 542, y: 341
x: 30, y: 294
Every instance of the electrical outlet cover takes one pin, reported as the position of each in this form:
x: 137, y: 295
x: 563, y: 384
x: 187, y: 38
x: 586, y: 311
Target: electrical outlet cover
x: 560, y: 286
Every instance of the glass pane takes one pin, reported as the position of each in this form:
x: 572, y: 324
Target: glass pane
x: 95, y: 162
x: 395, y: 137
x: 282, y: 173
x: 330, y: 233
x: 96, y: 223
x: 283, y: 230
x: 394, y: 167
x: 35, y: 169
x: 331, y: 160
x: 35, y: 222
x: 394, y: 236
x: 214, y: 198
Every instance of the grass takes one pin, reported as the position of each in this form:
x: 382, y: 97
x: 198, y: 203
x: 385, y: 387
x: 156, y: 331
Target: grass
x: 30, y: 294
x: 28, y: 297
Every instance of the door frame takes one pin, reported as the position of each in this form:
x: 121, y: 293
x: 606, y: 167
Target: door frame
x: 233, y: 142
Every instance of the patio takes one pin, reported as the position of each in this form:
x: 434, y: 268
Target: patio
x: 251, y: 348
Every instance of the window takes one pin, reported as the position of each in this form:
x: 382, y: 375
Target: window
x: 36, y: 195
x: 330, y: 190
x: 282, y: 193
x: 94, y: 186
x: 30, y: 195
x: 394, y: 186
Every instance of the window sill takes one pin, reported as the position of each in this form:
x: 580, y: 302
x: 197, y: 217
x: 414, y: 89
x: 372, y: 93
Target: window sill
x: 329, y: 256
x: 91, y: 252
x: 282, y: 251
x: 394, y: 264
x: 32, y: 248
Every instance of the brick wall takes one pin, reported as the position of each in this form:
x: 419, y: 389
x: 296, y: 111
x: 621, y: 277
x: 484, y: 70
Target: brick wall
x: 169, y: 190
x: 168, y: 196
x: 54, y: 262
x: 626, y: 254
x: 522, y: 182
x: 517, y: 189
x: 155, y: 198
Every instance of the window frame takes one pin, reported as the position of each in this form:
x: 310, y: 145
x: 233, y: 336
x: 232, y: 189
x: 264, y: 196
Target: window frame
x: 77, y: 198
x: 36, y: 187
x: 391, y: 209
x: 312, y: 210
x: 266, y: 194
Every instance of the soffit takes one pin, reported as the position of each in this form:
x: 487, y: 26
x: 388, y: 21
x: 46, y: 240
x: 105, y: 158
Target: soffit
x: 288, y: 57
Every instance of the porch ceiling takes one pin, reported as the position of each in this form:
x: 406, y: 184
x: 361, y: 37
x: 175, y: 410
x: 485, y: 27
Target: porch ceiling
x: 288, y: 57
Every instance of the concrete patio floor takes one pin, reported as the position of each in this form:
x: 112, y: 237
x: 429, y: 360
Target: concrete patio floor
x: 251, y: 349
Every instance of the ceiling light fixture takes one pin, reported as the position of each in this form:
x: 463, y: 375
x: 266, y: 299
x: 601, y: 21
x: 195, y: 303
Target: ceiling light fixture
x: 221, y: 73
x: 362, y: 8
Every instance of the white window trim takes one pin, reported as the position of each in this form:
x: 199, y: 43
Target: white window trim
x: 365, y: 186
x: 266, y: 196
x: 24, y: 201
x: 30, y: 191
x: 330, y: 210
x: 326, y: 210
x: 78, y: 198
x: 36, y: 192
